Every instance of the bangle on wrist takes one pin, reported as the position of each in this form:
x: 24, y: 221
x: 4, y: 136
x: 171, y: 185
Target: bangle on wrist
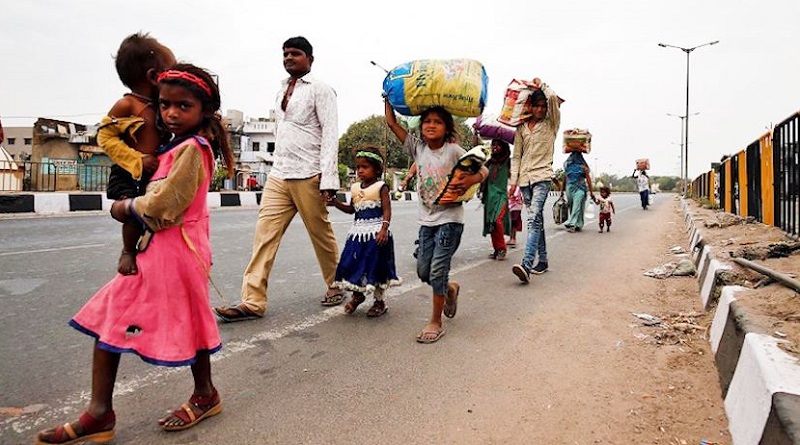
x: 385, y: 222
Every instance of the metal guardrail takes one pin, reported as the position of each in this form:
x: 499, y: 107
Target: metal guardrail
x: 762, y: 181
x: 52, y: 177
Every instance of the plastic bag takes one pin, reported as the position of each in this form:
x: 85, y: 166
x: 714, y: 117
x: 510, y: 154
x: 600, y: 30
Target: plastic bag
x: 469, y: 163
x: 560, y: 210
x: 457, y: 85
x: 589, y: 210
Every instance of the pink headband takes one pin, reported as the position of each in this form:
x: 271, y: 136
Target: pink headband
x: 175, y: 74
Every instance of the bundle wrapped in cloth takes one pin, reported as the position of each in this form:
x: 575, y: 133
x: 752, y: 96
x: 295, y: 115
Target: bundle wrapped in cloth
x: 577, y: 139
x: 490, y: 128
x: 643, y: 164
x: 457, y: 85
x: 517, y: 93
x: 469, y: 163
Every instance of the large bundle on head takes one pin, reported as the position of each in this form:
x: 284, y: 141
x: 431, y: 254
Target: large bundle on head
x: 643, y: 164
x: 457, y: 85
x: 490, y: 128
x: 577, y: 139
x: 469, y: 163
x: 517, y: 94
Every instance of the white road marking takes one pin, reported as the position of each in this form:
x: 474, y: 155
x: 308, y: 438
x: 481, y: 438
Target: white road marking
x: 54, y: 249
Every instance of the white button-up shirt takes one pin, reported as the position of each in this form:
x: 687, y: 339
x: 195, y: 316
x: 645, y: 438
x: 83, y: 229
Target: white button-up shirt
x: 307, y: 133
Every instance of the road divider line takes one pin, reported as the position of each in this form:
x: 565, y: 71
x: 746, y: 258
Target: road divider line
x: 54, y: 249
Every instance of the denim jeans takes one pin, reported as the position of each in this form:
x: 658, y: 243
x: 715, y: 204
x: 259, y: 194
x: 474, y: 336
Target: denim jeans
x: 534, y: 196
x: 437, y: 245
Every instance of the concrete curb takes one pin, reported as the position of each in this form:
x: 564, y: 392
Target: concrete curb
x: 760, y: 382
x: 47, y: 203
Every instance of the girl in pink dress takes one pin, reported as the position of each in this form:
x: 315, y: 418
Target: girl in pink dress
x: 162, y: 314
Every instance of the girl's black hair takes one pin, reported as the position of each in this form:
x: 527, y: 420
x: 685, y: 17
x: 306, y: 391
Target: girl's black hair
x: 211, y: 127
x: 374, y: 162
x: 449, y: 125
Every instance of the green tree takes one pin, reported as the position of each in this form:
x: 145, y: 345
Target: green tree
x: 666, y: 183
x: 372, y: 131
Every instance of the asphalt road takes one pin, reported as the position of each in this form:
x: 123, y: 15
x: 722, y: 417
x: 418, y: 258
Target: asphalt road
x: 49, y: 267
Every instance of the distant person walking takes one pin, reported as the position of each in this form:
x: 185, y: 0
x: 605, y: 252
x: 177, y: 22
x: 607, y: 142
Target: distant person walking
x: 162, y: 313
x: 367, y: 261
x: 303, y: 178
x: 579, y: 180
x: 532, y: 171
x: 643, y: 184
x: 129, y: 134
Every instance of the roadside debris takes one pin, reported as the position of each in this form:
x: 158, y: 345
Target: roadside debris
x: 681, y: 268
x: 672, y: 329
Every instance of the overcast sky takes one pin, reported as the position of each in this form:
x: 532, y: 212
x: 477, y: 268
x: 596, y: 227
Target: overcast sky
x: 600, y: 56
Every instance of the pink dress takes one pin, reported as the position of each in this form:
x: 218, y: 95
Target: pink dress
x: 163, y: 313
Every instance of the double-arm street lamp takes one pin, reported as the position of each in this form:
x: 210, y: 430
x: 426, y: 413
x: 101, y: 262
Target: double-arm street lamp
x: 686, y: 115
x: 683, y: 177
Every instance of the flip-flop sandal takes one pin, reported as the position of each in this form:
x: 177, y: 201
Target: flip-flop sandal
x: 421, y: 336
x: 332, y: 300
x: 235, y: 313
x: 451, y: 302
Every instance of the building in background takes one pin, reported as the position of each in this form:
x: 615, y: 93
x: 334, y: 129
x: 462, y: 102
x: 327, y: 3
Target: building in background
x: 253, y: 144
x: 18, y: 142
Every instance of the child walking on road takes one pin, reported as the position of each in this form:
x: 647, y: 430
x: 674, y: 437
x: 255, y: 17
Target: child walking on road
x: 162, y: 314
x: 494, y: 196
x: 441, y: 226
x: 129, y: 135
x: 367, y: 261
x: 515, y: 208
x: 606, y: 208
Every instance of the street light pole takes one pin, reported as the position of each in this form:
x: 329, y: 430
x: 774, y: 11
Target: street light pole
x: 686, y: 116
x: 686, y: 147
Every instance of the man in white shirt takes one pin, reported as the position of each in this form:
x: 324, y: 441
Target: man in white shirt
x: 302, y: 178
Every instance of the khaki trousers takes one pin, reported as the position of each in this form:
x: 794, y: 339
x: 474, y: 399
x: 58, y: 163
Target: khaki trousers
x: 281, y: 200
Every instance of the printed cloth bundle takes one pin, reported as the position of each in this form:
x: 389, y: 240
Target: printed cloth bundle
x: 457, y: 85
x: 490, y: 128
x: 577, y: 139
x: 469, y: 163
x: 517, y: 94
x: 643, y: 164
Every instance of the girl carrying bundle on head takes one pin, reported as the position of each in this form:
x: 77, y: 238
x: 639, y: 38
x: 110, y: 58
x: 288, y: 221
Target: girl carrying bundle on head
x: 367, y: 261
x: 162, y: 314
x: 441, y: 226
